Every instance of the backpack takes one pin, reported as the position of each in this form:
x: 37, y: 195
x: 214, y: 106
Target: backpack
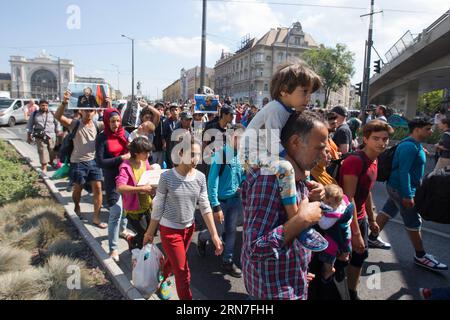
x: 385, y: 161
x: 432, y: 200
x: 335, y: 167
x: 66, y: 149
x: 130, y: 115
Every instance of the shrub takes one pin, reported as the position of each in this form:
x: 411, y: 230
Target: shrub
x: 58, y: 271
x: 17, y: 183
x: 13, y: 259
x: 31, y: 284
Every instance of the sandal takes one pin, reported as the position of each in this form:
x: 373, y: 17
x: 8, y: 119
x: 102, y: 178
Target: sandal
x: 100, y: 225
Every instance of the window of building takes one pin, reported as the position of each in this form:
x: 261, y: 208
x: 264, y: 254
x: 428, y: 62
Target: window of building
x: 297, y: 41
x: 266, y: 87
x: 280, y: 56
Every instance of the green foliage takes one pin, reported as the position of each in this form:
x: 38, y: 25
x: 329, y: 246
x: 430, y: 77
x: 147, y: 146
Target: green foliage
x: 334, y: 65
x: 401, y: 133
x: 18, y: 181
x: 431, y: 102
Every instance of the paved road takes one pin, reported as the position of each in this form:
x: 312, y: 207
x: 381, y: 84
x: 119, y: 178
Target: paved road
x: 387, y: 274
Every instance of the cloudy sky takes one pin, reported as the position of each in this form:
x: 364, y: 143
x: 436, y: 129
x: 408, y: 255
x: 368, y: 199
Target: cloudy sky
x: 167, y: 32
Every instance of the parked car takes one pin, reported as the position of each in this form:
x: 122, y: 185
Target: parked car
x: 12, y: 111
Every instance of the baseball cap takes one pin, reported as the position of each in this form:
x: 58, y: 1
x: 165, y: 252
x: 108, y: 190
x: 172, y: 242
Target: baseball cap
x: 382, y: 107
x: 340, y: 111
x: 227, y: 109
x: 185, y: 115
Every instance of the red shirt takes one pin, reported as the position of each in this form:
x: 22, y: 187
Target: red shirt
x: 354, y: 166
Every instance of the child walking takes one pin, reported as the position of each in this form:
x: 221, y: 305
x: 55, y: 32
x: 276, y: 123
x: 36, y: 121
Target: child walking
x: 137, y: 201
x: 291, y: 88
x: 178, y: 192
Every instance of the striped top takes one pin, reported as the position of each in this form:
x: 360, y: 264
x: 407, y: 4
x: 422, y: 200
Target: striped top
x: 176, y: 199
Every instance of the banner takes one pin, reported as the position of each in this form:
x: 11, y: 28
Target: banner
x: 88, y: 95
x: 206, y: 103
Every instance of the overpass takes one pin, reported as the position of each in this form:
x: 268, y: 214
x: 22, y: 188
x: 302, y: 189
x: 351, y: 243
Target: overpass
x: 414, y: 66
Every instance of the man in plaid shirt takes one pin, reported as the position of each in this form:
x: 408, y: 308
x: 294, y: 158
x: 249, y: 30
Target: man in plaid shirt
x: 274, y: 263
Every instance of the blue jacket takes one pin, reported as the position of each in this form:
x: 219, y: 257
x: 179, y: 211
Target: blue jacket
x: 408, y: 168
x: 226, y: 186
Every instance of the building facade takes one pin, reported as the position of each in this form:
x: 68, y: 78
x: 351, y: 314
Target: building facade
x: 40, y: 78
x: 173, y: 92
x: 5, y: 85
x: 245, y: 75
x: 190, y: 81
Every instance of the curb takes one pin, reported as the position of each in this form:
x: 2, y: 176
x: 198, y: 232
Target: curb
x: 116, y: 274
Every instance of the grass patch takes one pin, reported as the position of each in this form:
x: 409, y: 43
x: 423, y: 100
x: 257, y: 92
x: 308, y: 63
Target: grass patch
x: 18, y: 180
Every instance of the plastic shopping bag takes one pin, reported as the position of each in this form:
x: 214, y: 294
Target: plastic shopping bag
x: 146, y: 271
x: 62, y: 172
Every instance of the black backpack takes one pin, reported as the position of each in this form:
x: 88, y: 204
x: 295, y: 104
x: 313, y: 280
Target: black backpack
x: 385, y: 161
x: 130, y: 115
x: 432, y: 199
x: 66, y: 149
x: 335, y: 167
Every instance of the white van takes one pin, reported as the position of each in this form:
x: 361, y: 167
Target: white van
x: 12, y: 111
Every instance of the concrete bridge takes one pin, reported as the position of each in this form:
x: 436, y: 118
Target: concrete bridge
x: 414, y: 66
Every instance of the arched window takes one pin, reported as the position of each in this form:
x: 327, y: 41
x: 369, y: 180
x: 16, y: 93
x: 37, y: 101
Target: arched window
x: 44, y: 84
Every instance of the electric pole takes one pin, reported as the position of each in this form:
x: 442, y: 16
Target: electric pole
x: 203, y: 61
x: 366, y: 76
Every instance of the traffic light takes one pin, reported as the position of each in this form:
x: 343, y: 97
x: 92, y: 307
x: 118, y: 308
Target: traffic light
x: 358, y: 88
x: 377, y: 66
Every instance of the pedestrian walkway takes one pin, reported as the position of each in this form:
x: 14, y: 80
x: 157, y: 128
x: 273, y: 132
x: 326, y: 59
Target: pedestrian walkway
x: 100, y: 235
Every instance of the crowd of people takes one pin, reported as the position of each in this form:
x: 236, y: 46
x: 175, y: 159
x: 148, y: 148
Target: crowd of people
x: 300, y: 180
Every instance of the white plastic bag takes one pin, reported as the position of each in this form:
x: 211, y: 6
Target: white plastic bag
x: 145, y: 273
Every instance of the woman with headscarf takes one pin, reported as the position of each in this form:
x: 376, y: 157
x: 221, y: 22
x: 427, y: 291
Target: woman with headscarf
x: 111, y: 151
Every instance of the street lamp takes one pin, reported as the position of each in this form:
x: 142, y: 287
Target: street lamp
x: 132, y: 66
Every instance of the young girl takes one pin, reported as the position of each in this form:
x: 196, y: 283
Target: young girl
x: 291, y: 87
x: 178, y: 192
x: 137, y: 201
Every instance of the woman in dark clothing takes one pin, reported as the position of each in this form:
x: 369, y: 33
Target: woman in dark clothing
x: 111, y: 151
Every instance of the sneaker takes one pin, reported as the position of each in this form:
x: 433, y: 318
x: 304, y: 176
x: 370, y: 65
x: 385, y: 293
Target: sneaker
x: 313, y: 240
x: 201, y: 247
x: 164, y: 292
x: 378, y: 243
x: 429, y: 261
x: 232, y: 269
x: 425, y: 293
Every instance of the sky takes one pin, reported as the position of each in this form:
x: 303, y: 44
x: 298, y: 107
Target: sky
x: 168, y: 32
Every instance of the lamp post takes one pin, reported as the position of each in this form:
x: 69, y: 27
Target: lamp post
x: 132, y: 66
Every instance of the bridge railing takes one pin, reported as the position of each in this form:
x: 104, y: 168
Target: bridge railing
x: 408, y: 40
x: 400, y: 46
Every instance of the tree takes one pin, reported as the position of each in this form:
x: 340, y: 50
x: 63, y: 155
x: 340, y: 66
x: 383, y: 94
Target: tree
x: 431, y: 102
x: 334, y: 65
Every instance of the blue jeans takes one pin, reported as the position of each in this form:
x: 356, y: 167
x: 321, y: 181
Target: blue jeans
x: 116, y: 223
x: 232, y: 209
